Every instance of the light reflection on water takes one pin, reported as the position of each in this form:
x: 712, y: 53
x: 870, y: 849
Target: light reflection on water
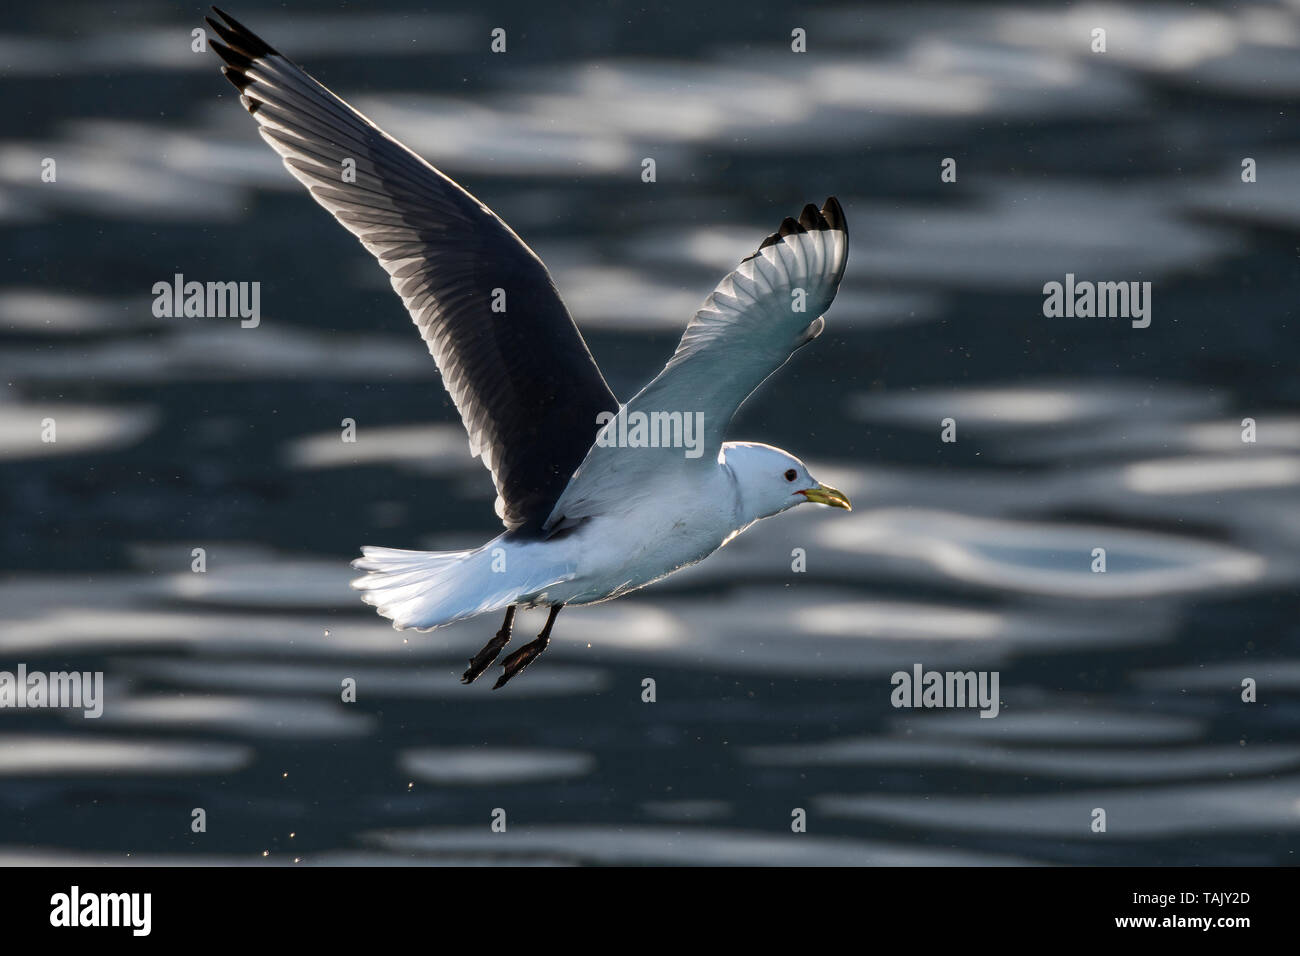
x: 1119, y: 689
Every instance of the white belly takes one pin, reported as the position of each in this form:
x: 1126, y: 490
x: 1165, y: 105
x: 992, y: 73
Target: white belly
x: 617, y: 553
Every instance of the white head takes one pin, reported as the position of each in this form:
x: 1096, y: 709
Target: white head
x: 771, y: 481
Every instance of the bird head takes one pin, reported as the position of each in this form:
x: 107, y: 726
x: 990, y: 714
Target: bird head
x: 771, y: 481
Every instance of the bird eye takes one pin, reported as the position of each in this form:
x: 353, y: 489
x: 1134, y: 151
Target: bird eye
x: 791, y: 475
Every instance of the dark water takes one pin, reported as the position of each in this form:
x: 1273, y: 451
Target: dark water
x: 1119, y: 691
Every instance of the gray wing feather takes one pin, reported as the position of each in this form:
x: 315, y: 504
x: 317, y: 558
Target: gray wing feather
x: 523, y: 380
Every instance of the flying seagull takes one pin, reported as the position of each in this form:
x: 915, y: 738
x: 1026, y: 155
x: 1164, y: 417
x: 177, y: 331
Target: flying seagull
x: 595, y: 502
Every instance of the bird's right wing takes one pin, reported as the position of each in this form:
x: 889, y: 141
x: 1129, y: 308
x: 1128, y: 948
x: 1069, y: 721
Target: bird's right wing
x: 516, y: 366
x: 770, y: 306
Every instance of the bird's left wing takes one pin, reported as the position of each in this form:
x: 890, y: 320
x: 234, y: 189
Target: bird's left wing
x: 751, y: 324
x: 516, y: 366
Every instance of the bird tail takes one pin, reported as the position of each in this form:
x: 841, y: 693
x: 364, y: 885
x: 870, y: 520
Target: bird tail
x: 428, y: 589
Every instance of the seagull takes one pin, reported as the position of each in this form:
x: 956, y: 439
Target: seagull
x: 598, y: 498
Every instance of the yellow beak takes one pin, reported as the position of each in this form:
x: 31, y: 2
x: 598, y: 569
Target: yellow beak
x: 826, y: 495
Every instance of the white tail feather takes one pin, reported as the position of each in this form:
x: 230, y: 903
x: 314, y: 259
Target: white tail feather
x: 428, y: 589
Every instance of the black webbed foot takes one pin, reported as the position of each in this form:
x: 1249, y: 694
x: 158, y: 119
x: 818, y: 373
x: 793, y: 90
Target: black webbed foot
x: 520, y: 659
x: 484, y: 658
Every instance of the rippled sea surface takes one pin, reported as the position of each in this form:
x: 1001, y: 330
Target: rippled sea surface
x: 1120, y: 691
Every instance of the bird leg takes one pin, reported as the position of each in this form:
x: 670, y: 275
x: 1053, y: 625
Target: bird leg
x: 484, y: 658
x: 521, y: 658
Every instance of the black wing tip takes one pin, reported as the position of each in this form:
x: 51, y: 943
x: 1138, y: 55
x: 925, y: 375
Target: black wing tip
x: 833, y: 213
x: 235, y: 59
x: 810, y: 218
x: 829, y: 218
x: 790, y: 227
x: 241, y: 82
x: 241, y: 47
x: 239, y: 36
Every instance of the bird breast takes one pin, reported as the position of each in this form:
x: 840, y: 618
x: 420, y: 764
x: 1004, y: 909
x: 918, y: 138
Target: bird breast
x: 683, y: 522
